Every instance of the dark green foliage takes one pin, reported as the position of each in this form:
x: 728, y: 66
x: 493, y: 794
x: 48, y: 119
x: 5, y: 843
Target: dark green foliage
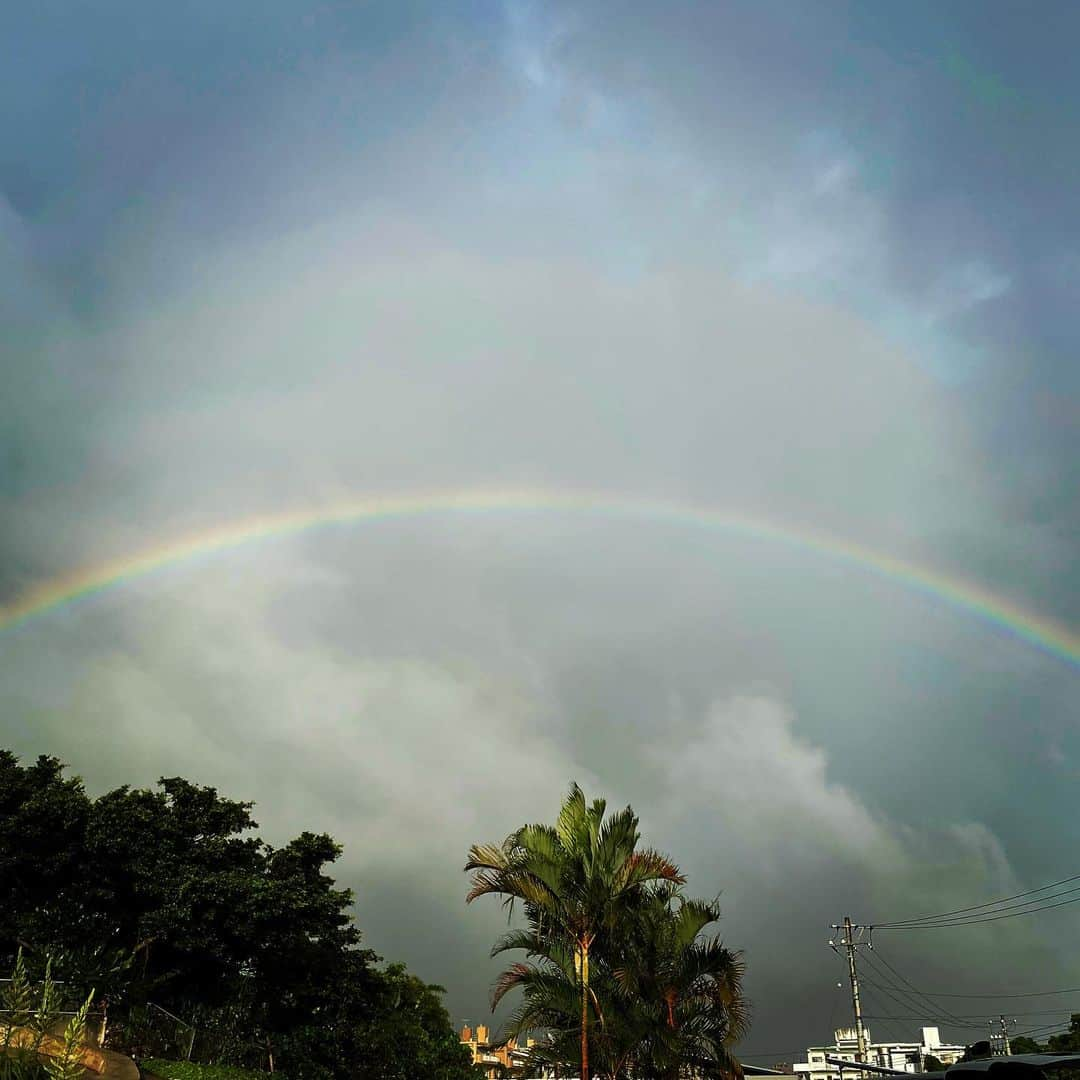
x: 1021, y: 1045
x: 410, y: 1035
x: 30, y: 1012
x: 619, y: 975
x: 189, y: 1070
x: 1068, y: 1042
x: 167, y: 900
x: 43, y: 819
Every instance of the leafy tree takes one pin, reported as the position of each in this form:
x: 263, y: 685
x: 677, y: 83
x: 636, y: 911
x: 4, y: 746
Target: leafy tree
x: 977, y: 1050
x: 1069, y: 1041
x: 1022, y: 1044
x: 42, y: 829
x: 169, y: 877
x: 932, y: 1064
x: 168, y: 896
x: 409, y: 1034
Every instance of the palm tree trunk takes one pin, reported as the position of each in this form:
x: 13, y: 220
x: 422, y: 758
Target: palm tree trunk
x: 584, y: 1012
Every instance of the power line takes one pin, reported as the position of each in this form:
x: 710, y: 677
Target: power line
x: 771, y: 1053
x: 998, y: 997
x: 903, y: 992
x: 988, y: 917
x: 1043, y: 1030
x: 1041, y: 1027
x: 924, y: 1019
x: 906, y: 1002
x: 933, y: 1018
x: 898, y: 923
x: 978, y: 1016
x: 933, y: 1003
x: 890, y: 1023
x: 927, y: 1000
x: 1040, y: 1012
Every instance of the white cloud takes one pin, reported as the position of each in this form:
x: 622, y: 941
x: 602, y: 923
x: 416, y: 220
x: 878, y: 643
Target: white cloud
x: 779, y: 814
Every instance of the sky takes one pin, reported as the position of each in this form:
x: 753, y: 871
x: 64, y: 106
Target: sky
x: 813, y: 264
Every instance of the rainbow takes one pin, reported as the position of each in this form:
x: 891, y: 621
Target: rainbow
x: 1036, y: 631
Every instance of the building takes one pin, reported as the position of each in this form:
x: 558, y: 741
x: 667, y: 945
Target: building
x: 901, y: 1056
x: 498, y: 1057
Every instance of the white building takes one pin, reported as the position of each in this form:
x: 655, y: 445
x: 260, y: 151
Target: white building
x: 901, y: 1056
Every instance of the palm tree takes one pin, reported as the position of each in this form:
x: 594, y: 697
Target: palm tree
x: 550, y: 1001
x: 578, y: 881
x: 688, y: 987
x: 664, y: 995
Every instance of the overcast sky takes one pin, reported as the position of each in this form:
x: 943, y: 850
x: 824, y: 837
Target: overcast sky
x: 818, y: 263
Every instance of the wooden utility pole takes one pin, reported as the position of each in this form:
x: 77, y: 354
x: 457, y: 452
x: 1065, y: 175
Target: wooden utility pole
x: 851, y: 937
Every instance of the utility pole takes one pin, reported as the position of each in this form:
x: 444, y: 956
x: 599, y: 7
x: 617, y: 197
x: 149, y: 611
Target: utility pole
x: 1006, y: 1049
x: 851, y: 937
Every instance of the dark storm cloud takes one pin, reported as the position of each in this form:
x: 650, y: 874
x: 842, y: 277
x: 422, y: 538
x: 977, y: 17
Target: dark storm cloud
x: 784, y: 260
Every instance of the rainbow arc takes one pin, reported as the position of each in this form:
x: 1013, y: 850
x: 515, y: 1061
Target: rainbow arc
x: 1036, y: 631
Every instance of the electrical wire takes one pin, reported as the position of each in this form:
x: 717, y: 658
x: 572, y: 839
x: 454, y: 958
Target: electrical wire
x: 927, y: 1001
x: 887, y: 1018
x: 983, y: 909
x: 978, y: 1016
x: 908, y: 996
x: 1001, y: 997
x: 908, y: 1002
x: 1043, y: 1027
x: 1046, y: 1031
x: 891, y: 1024
x: 1038, y: 1012
x: 772, y: 1053
x: 975, y: 921
x: 905, y: 1002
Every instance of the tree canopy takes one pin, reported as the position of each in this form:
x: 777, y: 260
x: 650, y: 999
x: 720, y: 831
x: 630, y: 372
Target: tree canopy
x: 1067, y: 1042
x: 168, y: 899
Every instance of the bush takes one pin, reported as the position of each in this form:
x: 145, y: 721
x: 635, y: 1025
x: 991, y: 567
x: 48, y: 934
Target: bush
x: 190, y: 1070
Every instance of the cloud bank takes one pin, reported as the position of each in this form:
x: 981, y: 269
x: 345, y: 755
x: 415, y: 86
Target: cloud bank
x: 560, y: 248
